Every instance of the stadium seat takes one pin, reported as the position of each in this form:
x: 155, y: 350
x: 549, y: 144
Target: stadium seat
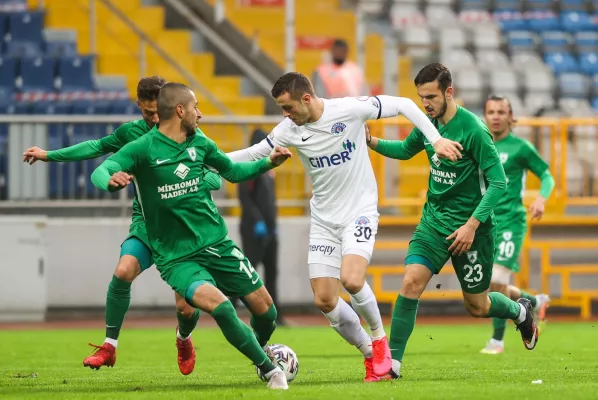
x: 535, y: 102
x: 60, y: 43
x: 452, y: 37
x: 486, y: 36
x: 586, y: 42
x: 595, y: 85
x: 24, y: 38
x: 576, y: 21
x: 555, y: 42
x: 516, y: 103
x: 419, y: 42
x: 561, y: 62
x: 574, y: 85
x: 573, y: 5
x: 8, y: 73
x: 440, y: 15
x: 539, y: 80
x: 510, y: 21
x: 51, y: 107
x: 467, y: 5
x: 76, y: 73
x: 404, y: 16
x: 575, y: 107
x: 470, y: 83
x: 543, y: 21
x: 508, y: 5
x: 492, y: 59
x: 124, y: 107
x: 539, y: 4
x: 503, y: 80
x: 595, y: 104
x: 37, y: 74
x: 456, y: 59
x: 521, y: 41
x: 523, y: 61
x: 588, y: 63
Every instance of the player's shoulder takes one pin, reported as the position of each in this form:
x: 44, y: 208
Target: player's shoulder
x: 345, y: 105
x: 472, y: 124
x: 132, y: 130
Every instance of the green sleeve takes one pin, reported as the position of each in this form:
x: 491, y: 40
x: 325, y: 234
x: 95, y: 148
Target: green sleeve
x: 88, y: 149
x: 539, y: 167
x: 235, y: 172
x: 212, y: 180
x: 401, y: 149
x: 101, y: 175
x: 484, y: 152
x: 127, y: 159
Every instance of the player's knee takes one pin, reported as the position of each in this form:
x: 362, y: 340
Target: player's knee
x: 183, y: 308
x: 413, y: 287
x: 325, y: 301
x: 353, y: 284
x: 501, y: 276
x: 128, y: 269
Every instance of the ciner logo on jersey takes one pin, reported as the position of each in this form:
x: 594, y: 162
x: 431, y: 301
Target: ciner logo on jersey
x: 181, y: 171
x: 334, y: 159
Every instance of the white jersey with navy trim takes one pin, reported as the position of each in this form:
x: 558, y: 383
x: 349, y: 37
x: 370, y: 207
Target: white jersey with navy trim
x: 334, y: 153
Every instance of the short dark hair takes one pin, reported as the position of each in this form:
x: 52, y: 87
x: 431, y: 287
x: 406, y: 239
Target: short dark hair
x: 294, y: 83
x: 171, y: 95
x: 496, y: 97
x: 340, y: 43
x: 434, y: 72
x: 149, y: 87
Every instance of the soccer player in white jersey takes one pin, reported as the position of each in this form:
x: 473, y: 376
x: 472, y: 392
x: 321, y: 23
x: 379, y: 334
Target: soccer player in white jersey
x: 329, y: 136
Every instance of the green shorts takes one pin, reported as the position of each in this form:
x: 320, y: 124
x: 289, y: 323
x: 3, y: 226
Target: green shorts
x: 137, y: 245
x: 223, y: 265
x: 509, y: 237
x: 474, y: 268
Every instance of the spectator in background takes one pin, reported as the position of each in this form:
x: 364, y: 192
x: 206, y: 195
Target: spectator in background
x: 339, y: 77
x: 259, y: 236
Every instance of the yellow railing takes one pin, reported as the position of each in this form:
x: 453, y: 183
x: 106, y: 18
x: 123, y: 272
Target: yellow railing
x: 567, y: 144
x: 567, y: 296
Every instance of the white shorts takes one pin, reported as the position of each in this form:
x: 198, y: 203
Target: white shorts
x: 327, y: 245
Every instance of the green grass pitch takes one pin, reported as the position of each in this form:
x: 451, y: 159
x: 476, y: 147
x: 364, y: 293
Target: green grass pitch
x: 442, y: 362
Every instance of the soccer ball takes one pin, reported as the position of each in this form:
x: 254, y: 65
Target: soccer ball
x: 286, y: 359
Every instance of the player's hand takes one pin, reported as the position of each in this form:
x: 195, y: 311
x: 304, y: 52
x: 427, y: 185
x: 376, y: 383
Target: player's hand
x: 279, y: 155
x: 445, y: 148
x: 536, y: 209
x: 34, y: 154
x: 120, y: 180
x: 463, y: 239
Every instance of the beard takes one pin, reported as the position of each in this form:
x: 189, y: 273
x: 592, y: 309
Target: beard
x: 189, y: 128
x: 442, y: 109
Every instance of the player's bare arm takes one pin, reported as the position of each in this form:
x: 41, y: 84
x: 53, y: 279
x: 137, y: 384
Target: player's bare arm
x: 33, y: 154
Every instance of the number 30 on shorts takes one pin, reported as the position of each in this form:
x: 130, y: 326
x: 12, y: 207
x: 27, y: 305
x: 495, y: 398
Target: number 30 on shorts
x: 363, y: 231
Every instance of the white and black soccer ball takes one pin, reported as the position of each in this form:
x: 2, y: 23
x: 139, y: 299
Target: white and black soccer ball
x: 286, y: 359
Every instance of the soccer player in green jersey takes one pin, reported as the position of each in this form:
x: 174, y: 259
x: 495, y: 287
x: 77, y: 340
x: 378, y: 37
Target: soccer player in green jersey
x: 188, y: 237
x: 135, y: 254
x: 517, y: 157
x: 457, y: 220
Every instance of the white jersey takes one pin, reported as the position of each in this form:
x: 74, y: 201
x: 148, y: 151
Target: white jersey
x: 334, y: 153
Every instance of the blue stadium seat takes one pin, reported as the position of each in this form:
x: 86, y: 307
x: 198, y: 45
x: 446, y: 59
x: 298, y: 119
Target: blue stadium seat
x: 521, y: 41
x: 82, y: 107
x: 510, y: 21
x: 586, y: 41
x: 19, y: 108
x: 595, y: 104
x: 508, y: 5
x: 25, y: 38
x: 595, y: 85
x: 589, y: 63
x: 474, y: 5
x: 573, y: 85
x: 38, y: 74
x: 8, y: 72
x: 124, y: 107
x: 60, y: 49
x: 576, y: 21
x: 539, y: 4
x: 573, y: 5
x: 76, y: 73
x: 561, y: 62
x: 543, y: 21
x: 51, y: 107
x: 555, y: 41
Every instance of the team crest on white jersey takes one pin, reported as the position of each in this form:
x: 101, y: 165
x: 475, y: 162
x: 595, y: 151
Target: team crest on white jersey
x: 192, y: 153
x: 503, y: 157
x: 338, y: 128
x: 472, y: 256
x: 361, y: 221
x: 181, y: 171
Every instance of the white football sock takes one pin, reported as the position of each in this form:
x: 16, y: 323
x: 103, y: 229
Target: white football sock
x: 365, y: 304
x: 113, y: 342
x: 178, y: 335
x: 345, y: 321
x: 522, y: 314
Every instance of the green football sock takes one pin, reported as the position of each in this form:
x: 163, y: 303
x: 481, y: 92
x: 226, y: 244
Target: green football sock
x: 403, y: 321
x: 118, y: 300
x: 499, y: 325
x: 528, y: 296
x: 239, y: 335
x: 187, y: 325
x: 503, y: 307
x: 264, y: 325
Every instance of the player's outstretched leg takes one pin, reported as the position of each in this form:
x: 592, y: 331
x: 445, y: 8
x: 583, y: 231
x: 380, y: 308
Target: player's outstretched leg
x: 498, y: 283
x: 208, y: 298
x: 187, y: 317
x: 353, y: 278
x: 263, y: 316
x: 118, y: 299
x: 539, y: 302
x: 343, y: 319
